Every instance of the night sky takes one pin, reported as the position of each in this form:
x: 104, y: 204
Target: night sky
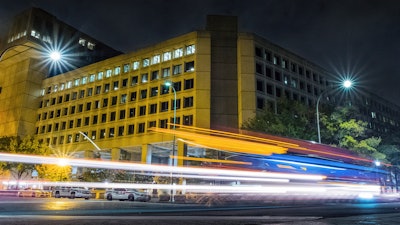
x: 356, y: 38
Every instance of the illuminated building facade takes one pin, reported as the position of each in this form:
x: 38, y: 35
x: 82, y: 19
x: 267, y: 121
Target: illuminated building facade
x: 221, y: 78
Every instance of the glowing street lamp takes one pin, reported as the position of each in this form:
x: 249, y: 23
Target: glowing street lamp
x: 346, y: 84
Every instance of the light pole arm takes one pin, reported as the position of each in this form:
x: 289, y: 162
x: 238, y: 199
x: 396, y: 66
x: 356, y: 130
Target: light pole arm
x: 317, y: 110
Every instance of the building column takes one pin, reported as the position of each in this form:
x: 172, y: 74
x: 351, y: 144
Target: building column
x: 115, y: 154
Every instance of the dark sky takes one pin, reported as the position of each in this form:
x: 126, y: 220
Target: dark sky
x: 357, y: 38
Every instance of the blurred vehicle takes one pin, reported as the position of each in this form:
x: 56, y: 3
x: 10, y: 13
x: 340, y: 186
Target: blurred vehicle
x: 127, y: 194
x: 33, y: 192
x: 72, y: 192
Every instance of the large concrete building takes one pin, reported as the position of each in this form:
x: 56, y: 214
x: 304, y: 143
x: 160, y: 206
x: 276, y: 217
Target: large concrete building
x: 221, y: 77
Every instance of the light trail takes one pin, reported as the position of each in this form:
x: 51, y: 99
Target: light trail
x: 34, y: 159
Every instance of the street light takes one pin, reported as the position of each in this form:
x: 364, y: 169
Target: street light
x: 170, y: 84
x: 346, y: 84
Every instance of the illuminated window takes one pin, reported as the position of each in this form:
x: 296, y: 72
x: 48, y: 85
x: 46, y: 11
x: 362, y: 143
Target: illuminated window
x: 82, y: 42
x: 76, y: 82
x: 117, y: 70
x: 136, y: 65
x: 178, y: 53
x: 69, y: 84
x: 126, y: 68
x: 156, y: 59
x: 108, y: 73
x: 177, y: 69
x: 144, y: 78
x: 62, y: 86
x: 91, y: 45
x: 100, y: 76
x: 167, y: 56
x: 84, y: 80
x: 190, y: 49
x: 165, y: 72
x: 146, y: 62
x: 92, y: 78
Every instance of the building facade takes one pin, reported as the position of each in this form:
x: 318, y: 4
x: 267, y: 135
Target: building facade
x: 220, y: 78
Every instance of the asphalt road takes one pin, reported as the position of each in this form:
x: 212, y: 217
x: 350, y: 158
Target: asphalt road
x: 44, y: 211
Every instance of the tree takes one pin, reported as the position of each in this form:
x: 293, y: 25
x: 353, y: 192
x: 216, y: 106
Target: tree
x: 341, y: 129
x: 28, y: 145
x: 293, y: 119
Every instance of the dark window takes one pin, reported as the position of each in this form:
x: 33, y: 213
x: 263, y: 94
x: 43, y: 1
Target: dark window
x: 114, y: 100
x: 103, y: 117
x: 278, y: 76
x: 153, y: 91
x: 189, y: 66
x: 188, y: 120
x: 142, y: 110
x: 259, y: 68
x: 187, y: 102
x: 258, y: 52
x: 134, y: 80
x: 95, y: 118
x: 260, y: 103
x: 268, y: 72
x: 111, y: 132
x: 98, y: 90
x: 141, y: 127
x: 115, y: 85
x: 164, y: 106
x: 143, y: 94
x: 260, y: 85
x: 87, y: 120
x: 122, y: 114
x: 153, y: 109
x: 124, y: 82
x: 121, y: 130
x: 131, y: 129
x: 133, y: 96
x: 188, y: 84
x: 164, y: 123
x: 132, y: 112
x: 106, y: 88
x: 102, y: 133
x: 154, y: 75
x: 112, y: 116
x: 152, y: 124
x: 105, y: 102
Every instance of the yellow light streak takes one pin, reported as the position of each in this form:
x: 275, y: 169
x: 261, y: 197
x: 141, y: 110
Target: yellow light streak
x: 210, y: 160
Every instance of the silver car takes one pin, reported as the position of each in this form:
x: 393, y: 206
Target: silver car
x: 72, y: 192
x: 123, y: 194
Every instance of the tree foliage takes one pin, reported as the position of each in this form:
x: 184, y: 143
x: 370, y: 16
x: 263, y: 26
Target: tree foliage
x: 343, y: 130
x: 293, y: 119
x: 28, y: 145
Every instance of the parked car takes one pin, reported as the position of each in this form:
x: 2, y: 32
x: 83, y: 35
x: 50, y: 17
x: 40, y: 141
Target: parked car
x: 72, y: 192
x: 127, y: 194
x: 33, y: 192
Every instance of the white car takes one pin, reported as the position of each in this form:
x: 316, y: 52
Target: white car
x: 127, y: 194
x: 72, y: 192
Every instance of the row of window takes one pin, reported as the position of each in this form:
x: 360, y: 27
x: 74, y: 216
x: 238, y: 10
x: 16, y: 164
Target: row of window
x: 118, y: 131
x: 149, y: 109
x: 284, y: 63
x: 144, y: 78
x: 266, y: 87
x: 123, y: 98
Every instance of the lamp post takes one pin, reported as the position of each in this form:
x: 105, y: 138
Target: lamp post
x: 170, y: 84
x: 346, y: 84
